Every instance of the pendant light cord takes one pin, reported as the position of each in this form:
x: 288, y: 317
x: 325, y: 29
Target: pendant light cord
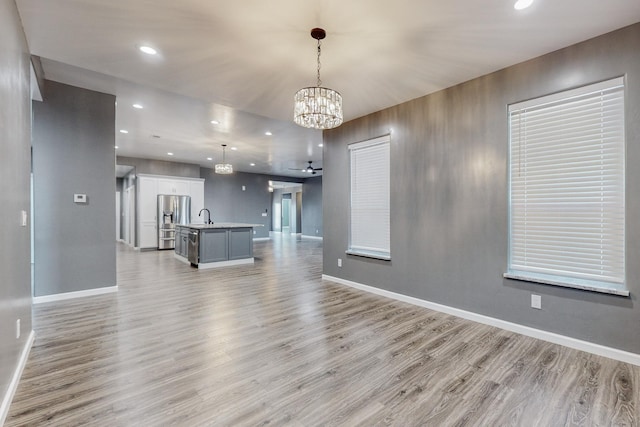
x: 319, y: 81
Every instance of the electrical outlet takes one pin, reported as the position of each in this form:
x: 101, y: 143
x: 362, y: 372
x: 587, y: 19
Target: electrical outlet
x: 536, y: 302
x: 339, y: 262
x: 17, y: 328
x: 244, y: 188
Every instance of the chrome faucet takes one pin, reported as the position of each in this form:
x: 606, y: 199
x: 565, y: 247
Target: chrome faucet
x: 209, y: 215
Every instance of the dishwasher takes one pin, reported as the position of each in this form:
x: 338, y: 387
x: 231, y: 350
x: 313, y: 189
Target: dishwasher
x: 193, y: 247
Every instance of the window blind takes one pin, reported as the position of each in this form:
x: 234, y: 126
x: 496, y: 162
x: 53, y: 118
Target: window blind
x: 369, y: 223
x: 567, y: 204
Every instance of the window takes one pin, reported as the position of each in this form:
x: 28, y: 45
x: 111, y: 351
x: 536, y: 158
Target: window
x: 369, y: 222
x: 567, y: 205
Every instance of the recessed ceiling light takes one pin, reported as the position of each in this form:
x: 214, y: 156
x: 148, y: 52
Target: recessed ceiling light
x: 124, y: 131
x: 215, y: 122
x: 268, y: 133
x: 303, y: 170
x: 148, y: 50
x: 138, y: 106
x: 522, y: 4
x: 170, y: 154
x: 116, y: 147
x: 320, y: 145
x: 252, y: 164
x: 234, y: 148
x: 209, y: 158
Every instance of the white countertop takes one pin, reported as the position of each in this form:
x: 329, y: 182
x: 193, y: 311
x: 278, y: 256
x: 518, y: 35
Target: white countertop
x: 220, y: 225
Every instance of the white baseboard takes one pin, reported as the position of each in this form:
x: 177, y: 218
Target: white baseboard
x: 261, y: 239
x: 76, y: 294
x: 600, y: 350
x: 13, y: 385
x: 304, y: 236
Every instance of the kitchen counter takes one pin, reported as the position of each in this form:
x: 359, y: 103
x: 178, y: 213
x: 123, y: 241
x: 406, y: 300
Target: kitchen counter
x: 221, y: 225
x: 215, y: 245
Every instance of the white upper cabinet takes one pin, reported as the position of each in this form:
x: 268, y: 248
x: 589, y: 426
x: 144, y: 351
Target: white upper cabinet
x: 173, y: 186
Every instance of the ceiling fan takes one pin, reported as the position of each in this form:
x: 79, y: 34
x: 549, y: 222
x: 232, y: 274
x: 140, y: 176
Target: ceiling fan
x: 309, y: 169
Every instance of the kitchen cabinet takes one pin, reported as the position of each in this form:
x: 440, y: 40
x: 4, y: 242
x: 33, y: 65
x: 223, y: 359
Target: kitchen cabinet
x: 148, y: 187
x: 147, y: 206
x: 214, y: 246
x: 240, y: 243
x: 182, y: 240
x: 173, y: 186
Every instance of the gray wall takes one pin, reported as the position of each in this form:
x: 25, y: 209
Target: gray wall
x: 73, y: 152
x: 298, y: 206
x: 161, y: 167
x: 312, y: 207
x: 224, y: 197
x: 449, y: 210
x: 15, y: 139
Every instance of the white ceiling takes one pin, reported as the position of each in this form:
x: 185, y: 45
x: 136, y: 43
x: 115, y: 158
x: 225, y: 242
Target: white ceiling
x: 240, y: 62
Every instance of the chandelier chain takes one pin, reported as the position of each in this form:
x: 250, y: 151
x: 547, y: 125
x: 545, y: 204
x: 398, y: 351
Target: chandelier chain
x: 319, y: 81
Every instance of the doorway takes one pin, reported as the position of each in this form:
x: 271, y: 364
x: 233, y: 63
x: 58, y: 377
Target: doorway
x: 286, y: 213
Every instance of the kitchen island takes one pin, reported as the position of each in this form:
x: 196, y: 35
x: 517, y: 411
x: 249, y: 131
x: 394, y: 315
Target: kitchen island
x: 215, y: 245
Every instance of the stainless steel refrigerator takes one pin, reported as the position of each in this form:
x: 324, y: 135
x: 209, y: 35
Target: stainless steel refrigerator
x: 172, y: 210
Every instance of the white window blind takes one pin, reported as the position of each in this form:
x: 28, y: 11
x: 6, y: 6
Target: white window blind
x: 567, y: 204
x: 369, y: 223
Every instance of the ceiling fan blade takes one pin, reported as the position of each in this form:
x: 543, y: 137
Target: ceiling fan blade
x: 317, y: 169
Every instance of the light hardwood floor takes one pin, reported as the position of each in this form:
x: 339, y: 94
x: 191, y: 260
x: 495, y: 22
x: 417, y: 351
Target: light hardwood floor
x: 273, y: 344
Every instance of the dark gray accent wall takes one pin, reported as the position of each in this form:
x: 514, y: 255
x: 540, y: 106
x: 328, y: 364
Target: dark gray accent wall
x: 73, y: 152
x: 224, y: 197
x: 161, y: 167
x: 15, y: 166
x: 312, y: 207
x: 449, y: 204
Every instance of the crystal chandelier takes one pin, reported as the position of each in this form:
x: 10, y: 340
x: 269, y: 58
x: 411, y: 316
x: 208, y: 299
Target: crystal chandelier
x: 318, y: 107
x: 224, y: 168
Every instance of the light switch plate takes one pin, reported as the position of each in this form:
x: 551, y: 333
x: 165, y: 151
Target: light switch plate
x: 264, y: 214
x: 23, y: 219
x: 536, y: 302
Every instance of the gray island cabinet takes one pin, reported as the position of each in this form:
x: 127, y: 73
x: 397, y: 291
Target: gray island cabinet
x: 215, y: 245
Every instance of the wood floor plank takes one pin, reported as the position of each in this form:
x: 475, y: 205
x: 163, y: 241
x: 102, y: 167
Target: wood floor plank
x: 273, y: 344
